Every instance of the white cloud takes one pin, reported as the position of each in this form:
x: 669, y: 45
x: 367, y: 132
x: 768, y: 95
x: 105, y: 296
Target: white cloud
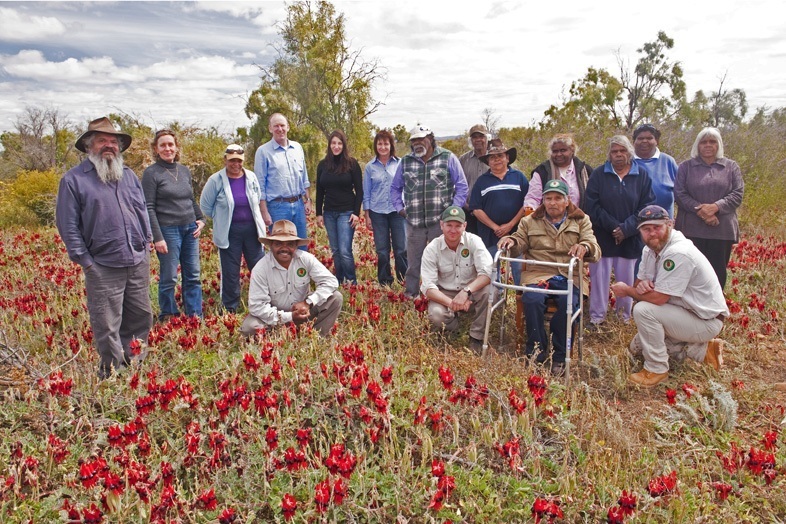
x: 20, y: 26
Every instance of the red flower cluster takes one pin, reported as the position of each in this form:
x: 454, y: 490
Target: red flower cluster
x: 446, y: 377
x: 626, y: 506
x: 663, y: 485
x: 722, y: 489
x: 340, y: 461
x: 58, y: 385
x: 516, y: 402
x: 288, y: 506
x: 472, y: 393
x: 445, y: 485
x: 421, y: 304
x: 537, y: 387
x: 546, y: 509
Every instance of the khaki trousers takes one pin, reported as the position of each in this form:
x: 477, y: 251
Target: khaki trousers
x: 324, y: 317
x: 670, y: 331
x: 443, y: 318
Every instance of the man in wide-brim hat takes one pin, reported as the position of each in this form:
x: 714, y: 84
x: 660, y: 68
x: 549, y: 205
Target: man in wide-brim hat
x: 103, y: 221
x: 280, y: 290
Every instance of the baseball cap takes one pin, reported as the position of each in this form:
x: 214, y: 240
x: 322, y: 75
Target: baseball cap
x: 652, y: 215
x: 556, y: 186
x: 454, y: 214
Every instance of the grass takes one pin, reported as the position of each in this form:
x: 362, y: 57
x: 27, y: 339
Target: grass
x: 224, y: 414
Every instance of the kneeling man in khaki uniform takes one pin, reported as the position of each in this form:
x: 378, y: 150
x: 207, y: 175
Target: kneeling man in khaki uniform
x: 280, y: 290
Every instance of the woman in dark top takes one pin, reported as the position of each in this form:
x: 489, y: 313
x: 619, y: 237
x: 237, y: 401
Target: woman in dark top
x: 176, y: 221
x: 708, y: 191
x: 339, y: 196
x: 616, y: 192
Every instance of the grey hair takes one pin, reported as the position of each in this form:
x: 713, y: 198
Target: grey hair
x: 621, y: 140
x: 564, y: 138
x: 707, y: 131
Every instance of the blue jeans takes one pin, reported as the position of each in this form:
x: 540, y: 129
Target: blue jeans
x: 340, y: 235
x: 242, y: 241
x: 389, y: 227
x: 183, y: 249
x: 295, y: 212
x: 534, y: 311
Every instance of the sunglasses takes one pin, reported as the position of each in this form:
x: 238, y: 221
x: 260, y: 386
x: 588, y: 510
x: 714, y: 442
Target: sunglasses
x: 238, y: 150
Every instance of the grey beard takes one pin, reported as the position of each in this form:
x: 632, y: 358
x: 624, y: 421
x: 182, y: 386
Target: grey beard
x: 420, y: 151
x: 109, y: 170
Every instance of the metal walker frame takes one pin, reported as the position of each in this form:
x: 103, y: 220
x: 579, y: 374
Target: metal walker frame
x: 503, y: 261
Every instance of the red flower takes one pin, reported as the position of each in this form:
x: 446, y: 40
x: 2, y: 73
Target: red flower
x: 446, y: 377
x: 689, y: 389
x: 546, y: 508
x: 437, y: 468
x: 271, y: 437
x: 627, y: 502
x: 420, y: 412
x: 770, y: 440
x: 250, y: 362
x: 57, y: 448
x: 386, y: 375
x: 227, y: 516
x: 92, y: 515
x: 615, y: 515
x: 723, y: 489
x: 288, y: 506
x: 671, y: 396
x: 339, y: 491
x: 516, y: 402
x: 322, y: 495
x: 663, y: 485
x: 207, y: 500
x: 114, y: 483
x: 537, y: 386
x: 135, y: 346
x: 303, y: 437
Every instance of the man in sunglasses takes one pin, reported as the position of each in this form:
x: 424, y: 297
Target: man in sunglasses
x: 680, y: 304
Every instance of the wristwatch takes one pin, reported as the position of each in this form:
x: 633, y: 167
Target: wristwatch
x: 468, y: 291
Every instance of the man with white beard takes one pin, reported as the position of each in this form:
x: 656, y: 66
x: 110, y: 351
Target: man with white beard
x: 428, y: 180
x: 102, y: 219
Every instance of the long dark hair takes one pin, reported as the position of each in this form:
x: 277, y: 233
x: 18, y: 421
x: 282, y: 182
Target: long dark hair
x: 343, y: 162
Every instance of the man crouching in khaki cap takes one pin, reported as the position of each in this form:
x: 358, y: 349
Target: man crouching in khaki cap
x: 680, y: 305
x: 280, y: 290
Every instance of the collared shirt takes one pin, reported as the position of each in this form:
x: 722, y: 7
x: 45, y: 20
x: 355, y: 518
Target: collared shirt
x: 281, y: 170
x: 428, y: 187
x: 274, y: 289
x: 568, y: 175
x: 445, y: 268
x: 662, y: 170
x: 472, y: 167
x: 681, y: 271
x: 376, y: 185
x: 102, y: 222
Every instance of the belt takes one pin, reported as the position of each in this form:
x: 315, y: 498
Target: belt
x: 287, y: 199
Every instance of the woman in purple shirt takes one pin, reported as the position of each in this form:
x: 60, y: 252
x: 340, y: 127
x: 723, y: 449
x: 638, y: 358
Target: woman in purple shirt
x: 708, y: 191
x: 231, y: 198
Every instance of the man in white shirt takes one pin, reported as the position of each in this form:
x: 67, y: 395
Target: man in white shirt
x: 456, y: 273
x: 280, y: 290
x: 680, y: 306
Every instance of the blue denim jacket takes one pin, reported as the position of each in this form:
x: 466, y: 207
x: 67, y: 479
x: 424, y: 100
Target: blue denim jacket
x: 217, y: 203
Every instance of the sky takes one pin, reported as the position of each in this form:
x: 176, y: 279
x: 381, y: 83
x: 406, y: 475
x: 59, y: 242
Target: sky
x: 444, y: 62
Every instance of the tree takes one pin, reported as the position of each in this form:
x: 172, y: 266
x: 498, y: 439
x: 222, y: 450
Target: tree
x: 490, y: 120
x: 316, y: 81
x: 722, y: 108
x: 43, y: 139
x: 654, y: 90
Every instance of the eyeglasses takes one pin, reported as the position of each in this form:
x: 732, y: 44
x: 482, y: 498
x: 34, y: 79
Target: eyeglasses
x: 646, y: 127
x: 162, y: 132
x: 238, y: 150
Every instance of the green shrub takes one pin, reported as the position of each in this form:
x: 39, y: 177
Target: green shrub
x: 29, y: 199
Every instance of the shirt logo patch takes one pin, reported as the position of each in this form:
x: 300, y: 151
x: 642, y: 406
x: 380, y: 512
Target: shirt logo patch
x: 301, y: 272
x: 668, y: 264
x: 465, y: 253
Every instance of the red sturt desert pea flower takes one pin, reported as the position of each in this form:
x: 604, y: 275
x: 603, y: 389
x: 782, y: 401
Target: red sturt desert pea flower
x: 288, y: 506
x: 663, y: 485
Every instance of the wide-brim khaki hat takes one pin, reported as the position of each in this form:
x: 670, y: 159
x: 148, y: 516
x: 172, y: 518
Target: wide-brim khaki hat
x: 284, y: 231
x: 102, y: 125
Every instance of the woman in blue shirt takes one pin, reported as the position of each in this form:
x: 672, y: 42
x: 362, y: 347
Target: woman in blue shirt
x: 388, y: 226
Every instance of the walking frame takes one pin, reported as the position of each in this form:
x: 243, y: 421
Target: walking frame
x: 503, y: 261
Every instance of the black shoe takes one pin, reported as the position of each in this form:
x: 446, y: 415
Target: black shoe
x: 558, y: 369
x: 476, y: 345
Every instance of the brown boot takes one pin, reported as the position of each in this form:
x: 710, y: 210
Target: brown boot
x: 714, y: 355
x: 647, y: 379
